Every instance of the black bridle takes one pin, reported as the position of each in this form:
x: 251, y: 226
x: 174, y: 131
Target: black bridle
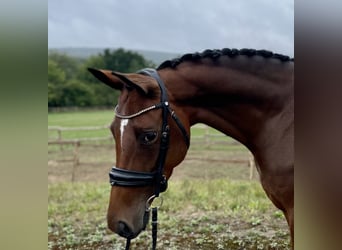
x: 157, y: 179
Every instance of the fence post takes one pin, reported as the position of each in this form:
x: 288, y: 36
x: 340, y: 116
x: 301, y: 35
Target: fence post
x: 76, y: 160
x: 59, y: 131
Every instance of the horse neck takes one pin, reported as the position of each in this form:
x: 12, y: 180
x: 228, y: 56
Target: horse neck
x: 239, y: 101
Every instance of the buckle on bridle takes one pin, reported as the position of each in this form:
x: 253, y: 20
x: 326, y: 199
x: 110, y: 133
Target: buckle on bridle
x: 154, y: 202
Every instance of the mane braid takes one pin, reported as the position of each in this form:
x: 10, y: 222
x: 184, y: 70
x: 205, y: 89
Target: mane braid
x: 215, y: 54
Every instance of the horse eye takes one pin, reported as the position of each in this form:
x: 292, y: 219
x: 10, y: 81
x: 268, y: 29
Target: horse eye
x: 149, y: 137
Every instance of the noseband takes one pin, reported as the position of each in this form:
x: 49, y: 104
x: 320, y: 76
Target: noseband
x: 127, y: 178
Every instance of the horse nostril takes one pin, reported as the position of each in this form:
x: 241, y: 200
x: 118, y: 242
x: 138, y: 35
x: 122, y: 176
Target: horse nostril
x: 124, y: 230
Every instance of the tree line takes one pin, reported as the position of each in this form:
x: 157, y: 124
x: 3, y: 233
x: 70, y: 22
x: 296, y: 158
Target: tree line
x: 71, y: 85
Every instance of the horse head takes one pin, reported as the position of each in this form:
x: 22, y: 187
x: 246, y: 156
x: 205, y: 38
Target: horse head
x: 137, y: 130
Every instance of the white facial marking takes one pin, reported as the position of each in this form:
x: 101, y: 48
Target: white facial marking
x: 123, y: 124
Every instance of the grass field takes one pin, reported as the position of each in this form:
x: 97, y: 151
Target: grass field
x: 81, y: 118
x: 210, y: 203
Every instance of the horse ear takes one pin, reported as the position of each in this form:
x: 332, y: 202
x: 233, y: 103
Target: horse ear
x: 118, y: 81
x: 130, y: 85
x: 107, y: 77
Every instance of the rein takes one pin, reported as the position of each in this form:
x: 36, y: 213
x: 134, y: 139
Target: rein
x: 127, y: 178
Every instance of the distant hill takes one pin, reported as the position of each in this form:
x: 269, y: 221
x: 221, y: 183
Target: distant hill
x: 83, y: 53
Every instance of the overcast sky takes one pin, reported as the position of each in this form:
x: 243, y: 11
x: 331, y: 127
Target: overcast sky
x: 172, y: 25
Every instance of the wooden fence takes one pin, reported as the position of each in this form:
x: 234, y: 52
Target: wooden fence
x: 208, y: 139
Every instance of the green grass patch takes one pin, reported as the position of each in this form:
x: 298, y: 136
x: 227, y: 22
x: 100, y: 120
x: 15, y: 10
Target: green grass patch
x: 217, y: 214
x: 81, y: 118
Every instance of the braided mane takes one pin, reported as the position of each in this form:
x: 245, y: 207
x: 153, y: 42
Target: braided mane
x: 215, y: 54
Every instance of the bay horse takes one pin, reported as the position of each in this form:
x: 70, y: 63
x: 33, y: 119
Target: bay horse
x: 247, y: 94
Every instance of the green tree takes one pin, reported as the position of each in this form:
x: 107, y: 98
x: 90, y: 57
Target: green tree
x: 93, y: 62
x: 124, y: 61
x: 69, y: 65
x: 70, y: 83
x: 55, y: 74
x: 56, y: 80
x: 76, y: 93
x: 119, y: 60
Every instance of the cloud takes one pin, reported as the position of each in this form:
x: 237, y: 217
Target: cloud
x: 172, y: 25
